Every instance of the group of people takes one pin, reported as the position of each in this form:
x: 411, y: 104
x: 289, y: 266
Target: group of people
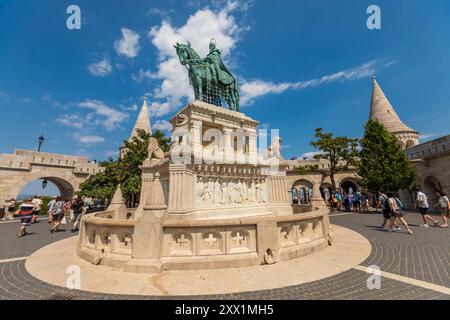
x: 357, y: 201
x: 393, y: 210
x: 57, y: 210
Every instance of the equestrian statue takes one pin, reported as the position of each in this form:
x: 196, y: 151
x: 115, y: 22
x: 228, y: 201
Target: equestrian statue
x: 210, y: 78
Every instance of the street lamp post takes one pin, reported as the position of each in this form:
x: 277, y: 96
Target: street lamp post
x: 41, y: 141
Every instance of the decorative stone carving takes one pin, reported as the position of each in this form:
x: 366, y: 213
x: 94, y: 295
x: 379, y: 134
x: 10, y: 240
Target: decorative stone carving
x: 155, y: 153
x: 225, y: 191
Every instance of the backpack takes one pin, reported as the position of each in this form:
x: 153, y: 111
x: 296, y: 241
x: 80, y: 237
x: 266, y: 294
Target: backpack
x: 400, y: 204
x: 385, y: 204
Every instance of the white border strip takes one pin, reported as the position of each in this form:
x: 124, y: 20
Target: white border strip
x: 414, y: 282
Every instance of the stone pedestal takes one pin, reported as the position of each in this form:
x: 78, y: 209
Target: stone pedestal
x: 220, y: 207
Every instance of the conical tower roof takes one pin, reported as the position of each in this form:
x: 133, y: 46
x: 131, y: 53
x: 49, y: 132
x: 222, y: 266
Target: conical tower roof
x: 143, y: 120
x: 382, y: 111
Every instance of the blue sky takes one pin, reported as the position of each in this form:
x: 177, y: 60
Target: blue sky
x: 301, y: 65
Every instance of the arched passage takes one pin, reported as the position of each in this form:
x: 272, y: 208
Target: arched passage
x: 348, y: 186
x: 65, y: 187
x: 302, y: 191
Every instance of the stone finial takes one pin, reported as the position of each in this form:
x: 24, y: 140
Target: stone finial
x: 117, y: 200
x: 155, y: 199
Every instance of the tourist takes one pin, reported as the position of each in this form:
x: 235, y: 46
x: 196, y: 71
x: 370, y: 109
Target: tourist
x: 50, y: 209
x: 57, y: 214
x: 77, y: 206
x: 364, y: 202
x: 397, y: 213
x: 25, y: 213
x: 383, y: 203
x: 357, y: 201
x: 347, y: 203
x: 334, y: 202
x: 422, y: 203
x: 37, y: 201
x: 339, y: 203
x: 444, y: 205
x: 10, y: 208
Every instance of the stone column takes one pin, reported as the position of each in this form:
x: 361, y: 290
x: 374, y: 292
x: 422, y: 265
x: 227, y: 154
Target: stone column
x: 318, y: 203
x: 181, y: 189
x: 148, y: 231
x: 252, y: 147
x: 196, y: 140
x: 228, y: 145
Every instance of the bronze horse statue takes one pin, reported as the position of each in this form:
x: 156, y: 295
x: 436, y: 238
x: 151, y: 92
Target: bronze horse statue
x: 209, y: 76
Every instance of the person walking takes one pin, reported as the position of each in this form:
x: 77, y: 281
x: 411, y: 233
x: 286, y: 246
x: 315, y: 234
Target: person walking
x: 383, y: 203
x: 25, y: 213
x: 357, y: 201
x: 422, y: 203
x: 37, y: 201
x: 77, y: 207
x: 57, y: 214
x: 347, y: 202
x: 50, y: 209
x: 339, y: 201
x: 444, y: 205
x: 364, y: 203
x: 10, y: 208
x: 334, y: 202
x: 397, y: 213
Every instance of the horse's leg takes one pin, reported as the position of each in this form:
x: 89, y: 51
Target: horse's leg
x: 230, y: 97
x: 200, y: 87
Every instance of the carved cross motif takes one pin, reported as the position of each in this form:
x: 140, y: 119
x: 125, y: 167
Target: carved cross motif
x: 211, y: 240
x: 182, y: 241
x: 238, y: 238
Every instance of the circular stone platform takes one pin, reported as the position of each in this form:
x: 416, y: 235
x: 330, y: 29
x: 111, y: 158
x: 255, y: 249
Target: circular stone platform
x: 50, y: 265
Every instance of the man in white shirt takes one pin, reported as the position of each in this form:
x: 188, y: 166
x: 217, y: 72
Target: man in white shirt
x: 50, y: 209
x: 37, y: 201
x: 422, y: 203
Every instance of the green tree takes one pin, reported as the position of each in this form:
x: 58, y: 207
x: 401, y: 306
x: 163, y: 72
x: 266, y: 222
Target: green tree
x: 383, y: 165
x: 124, y: 171
x: 341, y: 153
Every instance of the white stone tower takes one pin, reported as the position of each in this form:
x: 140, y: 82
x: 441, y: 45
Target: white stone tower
x: 382, y: 111
x: 142, y: 122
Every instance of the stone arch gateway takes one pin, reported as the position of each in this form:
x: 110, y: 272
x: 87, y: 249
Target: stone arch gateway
x: 24, y: 166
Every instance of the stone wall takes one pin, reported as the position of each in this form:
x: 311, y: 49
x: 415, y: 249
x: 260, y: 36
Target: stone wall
x: 24, y: 166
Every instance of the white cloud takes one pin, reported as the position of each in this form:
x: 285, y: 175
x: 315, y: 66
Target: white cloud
x: 88, y: 139
x: 107, y: 116
x: 3, y: 94
x: 429, y: 136
x: 143, y: 74
x: 71, y: 120
x: 101, y: 68
x: 128, y: 46
x: 162, y: 125
x: 199, y: 29
x: 253, y: 89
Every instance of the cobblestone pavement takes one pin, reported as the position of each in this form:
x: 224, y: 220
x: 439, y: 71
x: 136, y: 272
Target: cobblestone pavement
x: 423, y: 256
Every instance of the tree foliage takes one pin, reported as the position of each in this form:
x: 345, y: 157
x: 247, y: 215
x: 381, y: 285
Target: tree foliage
x: 383, y: 165
x: 341, y: 153
x: 124, y: 171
